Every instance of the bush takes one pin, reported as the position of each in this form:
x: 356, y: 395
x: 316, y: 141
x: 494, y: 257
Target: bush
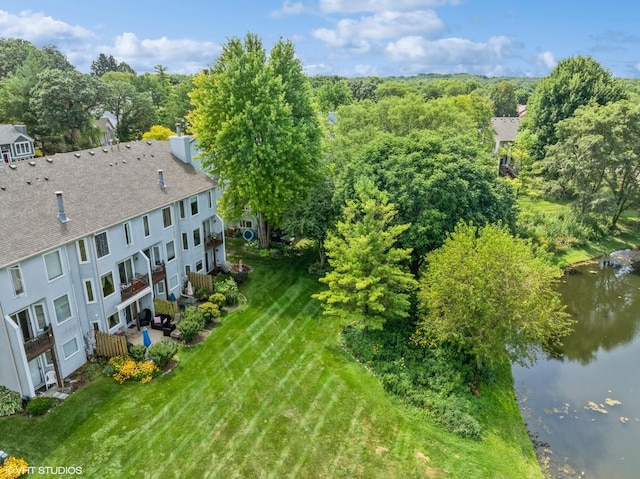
x: 126, y: 368
x: 192, y: 314
x: 218, y: 299
x: 162, y: 352
x: 209, y: 311
x: 10, y: 402
x: 188, y: 329
x: 13, y: 468
x: 40, y: 405
x: 137, y: 351
x: 229, y: 288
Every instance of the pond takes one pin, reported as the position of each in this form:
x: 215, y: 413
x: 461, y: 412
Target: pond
x: 582, y: 406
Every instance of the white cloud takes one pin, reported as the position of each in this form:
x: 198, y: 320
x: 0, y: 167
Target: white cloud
x: 181, y: 55
x: 288, y: 8
x: 353, y: 6
x: 454, y: 54
x: 546, y: 59
x: 317, y: 69
x: 356, y: 33
x: 40, y: 30
x: 366, y: 70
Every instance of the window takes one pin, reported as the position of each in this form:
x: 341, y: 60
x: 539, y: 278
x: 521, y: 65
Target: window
x: 113, y: 320
x: 246, y: 224
x: 194, y: 205
x: 53, y: 265
x: 107, y: 285
x: 82, y: 251
x: 187, y: 270
x: 171, y: 251
x: 181, y: 209
x: 102, y: 244
x: 196, y: 237
x: 23, y: 148
x: 70, y: 348
x: 16, y: 279
x: 127, y: 234
x: 41, y: 319
x: 185, y: 241
x: 145, y: 225
x: 166, y: 217
x: 89, y: 295
x: 199, y: 266
x: 210, y: 197
x: 160, y: 291
x: 62, y: 309
x: 125, y: 271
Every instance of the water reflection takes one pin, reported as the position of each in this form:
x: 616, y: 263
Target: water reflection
x: 584, y: 401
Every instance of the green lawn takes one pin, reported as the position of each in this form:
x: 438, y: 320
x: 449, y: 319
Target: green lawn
x: 269, y: 394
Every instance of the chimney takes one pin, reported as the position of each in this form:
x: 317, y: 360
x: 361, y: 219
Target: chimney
x: 178, y: 129
x: 161, y: 178
x: 21, y: 128
x: 61, y: 214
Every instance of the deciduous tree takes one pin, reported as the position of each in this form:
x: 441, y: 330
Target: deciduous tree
x: 492, y: 295
x: 368, y: 283
x: 257, y: 129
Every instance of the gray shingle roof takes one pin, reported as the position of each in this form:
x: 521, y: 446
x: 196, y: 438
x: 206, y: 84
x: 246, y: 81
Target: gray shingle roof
x: 505, y: 127
x: 9, y: 134
x: 99, y: 191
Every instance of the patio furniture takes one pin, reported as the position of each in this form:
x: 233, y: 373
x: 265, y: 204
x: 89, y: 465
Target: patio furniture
x: 50, y: 379
x: 145, y: 317
x: 163, y: 322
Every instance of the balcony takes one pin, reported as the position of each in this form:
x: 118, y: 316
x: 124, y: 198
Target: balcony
x: 158, y: 273
x: 34, y: 347
x: 213, y: 241
x: 138, y: 283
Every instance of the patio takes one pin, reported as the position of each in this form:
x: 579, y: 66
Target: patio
x: 135, y: 337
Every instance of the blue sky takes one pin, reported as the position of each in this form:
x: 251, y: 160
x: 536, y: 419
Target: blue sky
x: 341, y: 37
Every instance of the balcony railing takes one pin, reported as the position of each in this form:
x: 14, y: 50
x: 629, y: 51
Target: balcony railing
x: 158, y: 273
x: 213, y: 241
x: 138, y: 283
x: 34, y: 347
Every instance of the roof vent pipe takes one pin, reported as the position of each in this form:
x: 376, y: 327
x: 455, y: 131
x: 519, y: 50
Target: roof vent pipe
x: 178, y: 129
x: 161, y: 179
x: 61, y: 214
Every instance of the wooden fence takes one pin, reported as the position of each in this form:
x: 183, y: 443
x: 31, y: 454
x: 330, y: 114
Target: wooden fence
x: 110, y: 345
x: 162, y: 306
x: 199, y: 280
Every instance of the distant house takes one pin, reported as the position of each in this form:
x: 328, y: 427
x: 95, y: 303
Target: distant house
x: 91, y: 238
x: 505, y: 130
x: 15, y: 144
x: 107, y: 124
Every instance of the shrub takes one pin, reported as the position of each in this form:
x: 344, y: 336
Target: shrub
x: 162, y: 352
x: 13, y: 468
x: 40, y: 405
x: 188, y: 329
x: 137, y: 351
x: 193, y: 314
x: 10, y: 402
x: 209, y: 311
x: 229, y: 288
x: 218, y: 299
x: 126, y: 368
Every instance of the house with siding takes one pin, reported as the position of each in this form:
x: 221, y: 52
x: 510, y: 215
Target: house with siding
x: 90, y: 238
x: 15, y: 144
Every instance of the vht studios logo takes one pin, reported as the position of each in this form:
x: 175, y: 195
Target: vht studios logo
x: 17, y: 471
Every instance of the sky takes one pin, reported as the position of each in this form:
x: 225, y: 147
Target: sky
x: 351, y: 38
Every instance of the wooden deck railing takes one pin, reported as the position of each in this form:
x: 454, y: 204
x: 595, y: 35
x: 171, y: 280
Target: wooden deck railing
x: 34, y: 347
x: 138, y: 283
x: 213, y: 241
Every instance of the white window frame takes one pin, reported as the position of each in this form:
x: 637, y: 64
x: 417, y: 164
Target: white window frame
x: 77, y: 350
x: 173, y: 249
x: 182, y: 210
x: 210, y: 197
x: 44, y: 315
x: 55, y: 310
x: 197, y: 235
x: 185, y: 241
x: 102, y: 285
x: 193, y: 204
x: 79, y: 248
x: 160, y: 291
x: 85, y: 282
x: 46, y: 267
x: 199, y: 265
x: 128, y: 238
x: 167, y: 216
x: 146, y: 228
x: 15, y: 275
x: 95, y: 239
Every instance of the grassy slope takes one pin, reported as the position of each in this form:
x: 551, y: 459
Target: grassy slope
x: 269, y: 394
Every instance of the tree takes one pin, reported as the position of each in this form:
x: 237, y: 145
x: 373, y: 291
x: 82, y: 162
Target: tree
x: 503, y: 96
x: 333, y: 94
x: 363, y: 89
x: 492, y: 295
x: 158, y: 132
x: 368, y: 283
x: 134, y: 110
x: 103, y: 64
x: 13, y: 53
x: 257, y: 129
x: 597, y: 157
x: 574, y: 82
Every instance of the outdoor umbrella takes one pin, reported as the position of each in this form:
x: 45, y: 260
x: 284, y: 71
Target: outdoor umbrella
x: 146, y: 340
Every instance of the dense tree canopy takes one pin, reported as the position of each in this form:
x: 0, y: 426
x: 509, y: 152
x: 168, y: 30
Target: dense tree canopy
x: 368, y: 283
x: 257, y: 129
x: 492, y: 295
x: 574, y: 82
x: 597, y: 157
x: 503, y: 96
